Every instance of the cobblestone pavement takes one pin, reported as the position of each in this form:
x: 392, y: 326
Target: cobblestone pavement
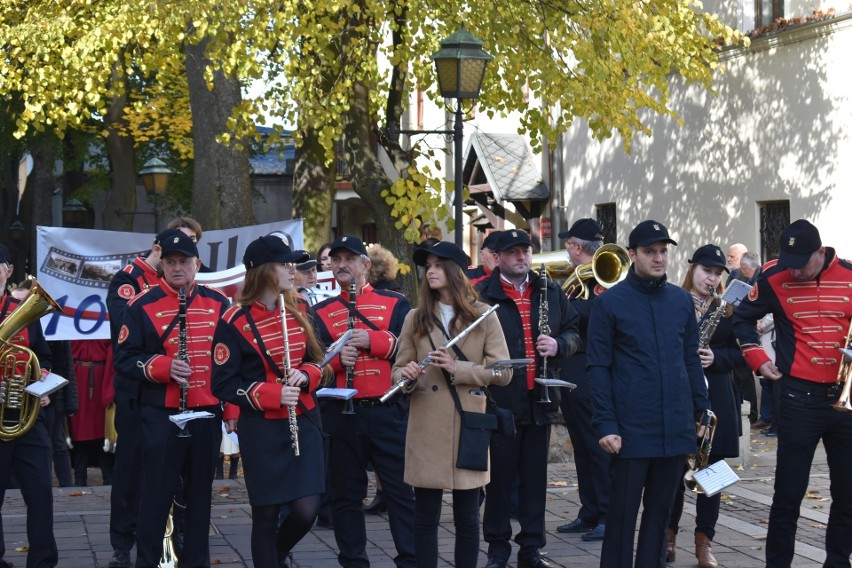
x: 82, y: 517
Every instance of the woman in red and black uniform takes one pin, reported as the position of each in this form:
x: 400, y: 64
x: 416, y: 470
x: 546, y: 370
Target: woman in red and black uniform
x: 249, y: 354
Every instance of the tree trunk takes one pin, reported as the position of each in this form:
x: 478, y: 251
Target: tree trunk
x: 369, y: 179
x: 313, y: 191
x: 120, y: 204
x: 221, y: 191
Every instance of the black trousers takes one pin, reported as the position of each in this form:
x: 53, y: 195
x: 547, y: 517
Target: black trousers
x: 376, y: 434
x: 805, y: 418
x: 165, y: 455
x: 523, y: 456
x: 651, y: 482
x: 29, y: 456
x: 127, y: 476
x: 465, y: 520
x: 591, y: 461
x: 54, y: 422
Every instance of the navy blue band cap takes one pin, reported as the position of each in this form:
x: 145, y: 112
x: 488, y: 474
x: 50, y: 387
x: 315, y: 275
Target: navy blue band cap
x: 270, y: 248
x: 647, y: 233
x: 585, y: 230
x: 444, y: 250
x: 350, y: 243
x: 5, y: 254
x: 511, y: 238
x: 709, y: 255
x: 307, y: 264
x: 178, y: 242
x: 165, y: 234
x: 490, y: 241
x: 798, y: 242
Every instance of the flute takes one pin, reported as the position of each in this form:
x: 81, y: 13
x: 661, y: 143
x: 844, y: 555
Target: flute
x: 406, y: 384
x: 291, y: 409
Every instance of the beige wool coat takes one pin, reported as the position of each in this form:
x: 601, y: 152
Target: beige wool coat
x: 433, y: 423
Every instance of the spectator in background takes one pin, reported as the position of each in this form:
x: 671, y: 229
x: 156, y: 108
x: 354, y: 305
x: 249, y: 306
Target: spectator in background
x: 487, y: 258
x: 735, y: 255
x: 750, y: 266
x: 744, y: 379
x: 323, y: 257
x: 383, y: 268
x: 306, y: 279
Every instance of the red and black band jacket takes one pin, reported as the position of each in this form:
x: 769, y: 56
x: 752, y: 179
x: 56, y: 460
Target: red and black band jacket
x: 386, y: 311
x: 244, y: 377
x: 148, y: 342
x: 811, y: 319
x: 30, y: 337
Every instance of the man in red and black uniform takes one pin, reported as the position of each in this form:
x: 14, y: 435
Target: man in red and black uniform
x: 808, y: 291
x: 487, y: 259
x: 148, y: 349
x: 376, y: 432
x: 30, y: 454
x: 134, y: 278
x: 518, y: 292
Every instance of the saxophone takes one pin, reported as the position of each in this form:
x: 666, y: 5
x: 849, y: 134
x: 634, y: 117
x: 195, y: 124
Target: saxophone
x: 709, y: 325
x: 291, y: 409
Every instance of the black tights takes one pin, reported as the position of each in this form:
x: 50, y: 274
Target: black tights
x: 465, y: 518
x: 269, y: 541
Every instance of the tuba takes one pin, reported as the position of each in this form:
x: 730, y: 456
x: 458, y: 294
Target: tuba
x: 608, y: 267
x: 19, y: 365
x: 844, y: 378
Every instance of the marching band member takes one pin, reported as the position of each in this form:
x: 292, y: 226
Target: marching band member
x: 719, y: 359
x: 150, y: 350
x: 487, y: 259
x: 582, y: 240
x: 447, y: 297
x: 518, y: 291
x: 807, y: 291
x: 376, y: 430
x: 134, y: 278
x: 31, y: 453
x: 268, y: 374
x: 642, y: 353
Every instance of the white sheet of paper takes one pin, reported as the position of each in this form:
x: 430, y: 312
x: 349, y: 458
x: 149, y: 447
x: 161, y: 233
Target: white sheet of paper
x: 715, y: 477
x: 343, y: 394
x: 51, y: 383
x: 736, y: 291
x: 181, y: 418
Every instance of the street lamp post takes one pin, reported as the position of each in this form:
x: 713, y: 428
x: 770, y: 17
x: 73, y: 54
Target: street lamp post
x: 155, y: 176
x: 460, y: 65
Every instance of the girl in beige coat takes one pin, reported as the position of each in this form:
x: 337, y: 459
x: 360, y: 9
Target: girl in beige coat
x: 433, y: 423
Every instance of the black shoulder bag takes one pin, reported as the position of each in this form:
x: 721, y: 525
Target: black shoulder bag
x: 475, y: 429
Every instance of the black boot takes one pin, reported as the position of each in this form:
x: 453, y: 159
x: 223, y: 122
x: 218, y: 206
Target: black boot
x: 377, y: 505
x: 235, y: 464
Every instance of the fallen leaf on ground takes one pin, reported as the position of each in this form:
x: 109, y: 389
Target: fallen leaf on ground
x: 558, y: 484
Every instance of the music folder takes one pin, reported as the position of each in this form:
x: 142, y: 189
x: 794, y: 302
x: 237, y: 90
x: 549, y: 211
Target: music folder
x: 335, y: 348
x: 715, y: 477
x: 182, y: 418
x: 342, y: 394
x: 47, y: 386
x: 555, y: 383
x: 507, y: 363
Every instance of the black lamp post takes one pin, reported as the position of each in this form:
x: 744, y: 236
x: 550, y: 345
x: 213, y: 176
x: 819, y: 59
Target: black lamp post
x: 155, y: 176
x: 74, y: 214
x: 460, y: 65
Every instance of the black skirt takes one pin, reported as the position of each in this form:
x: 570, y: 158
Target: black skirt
x: 273, y: 473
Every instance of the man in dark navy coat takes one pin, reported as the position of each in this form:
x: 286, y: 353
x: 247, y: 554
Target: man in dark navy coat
x: 649, y: 390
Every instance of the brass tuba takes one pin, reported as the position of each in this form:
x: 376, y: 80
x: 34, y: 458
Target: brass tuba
x: 19, y: 366
x: 608, y: 267
x: 844, y: 378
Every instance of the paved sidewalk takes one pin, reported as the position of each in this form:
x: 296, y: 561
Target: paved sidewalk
x: 82, y: 517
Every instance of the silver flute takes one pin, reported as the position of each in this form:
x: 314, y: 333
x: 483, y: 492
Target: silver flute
x: 291, y: 409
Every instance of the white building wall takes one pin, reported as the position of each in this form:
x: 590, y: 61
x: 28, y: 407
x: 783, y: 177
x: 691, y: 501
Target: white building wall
x: 780, y: 128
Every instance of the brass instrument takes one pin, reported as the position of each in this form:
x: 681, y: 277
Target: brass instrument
x: 709, y: 324
x: 543, y: 329
x: 182, y: 355
x: 291, y: 409
x: 349, y: 405
x: 556, y: 263
x: 608, y: 267
x: 169, y: 557
x: 844, y: 378
x: 406, y: 385
x: 19, y: 366
x: 701, y: 459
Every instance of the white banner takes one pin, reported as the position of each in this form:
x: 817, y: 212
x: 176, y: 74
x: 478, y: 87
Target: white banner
x: 75, y: 266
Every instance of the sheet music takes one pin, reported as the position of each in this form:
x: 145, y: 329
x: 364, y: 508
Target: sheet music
x: 715, y: 477
x: 736, y: 291
x: 181, y: 418
x: 555, y: 383
x: 51, y: 383
x: 342, y: 394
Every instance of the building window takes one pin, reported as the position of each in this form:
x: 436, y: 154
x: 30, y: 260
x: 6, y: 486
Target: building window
x: 369, y: 233
x: 767, y: 11
x: 774, y: 218
x: 607, y: 219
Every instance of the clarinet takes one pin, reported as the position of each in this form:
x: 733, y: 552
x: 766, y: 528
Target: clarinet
x: 182, y: 355
x: 291, y: 409
x: 544, y: 329
x: 349, y: 405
